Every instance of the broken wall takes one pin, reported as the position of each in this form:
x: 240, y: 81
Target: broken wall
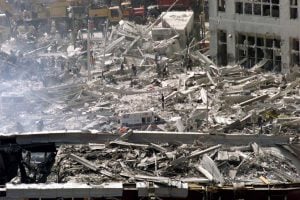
x: 181, y: 22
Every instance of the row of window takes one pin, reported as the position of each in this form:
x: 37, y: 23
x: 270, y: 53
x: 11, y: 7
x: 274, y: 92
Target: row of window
x: 255, y: 48
x: 257, y: 8
x: 260, y: 7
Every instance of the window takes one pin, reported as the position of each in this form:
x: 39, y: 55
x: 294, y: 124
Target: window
x: 239, y: 7
x: 257, y: 9
x: 295, y: 51
x: 222, y: 48
x: 293, y: 9
x: 221, y: 5
x: 248, y: 8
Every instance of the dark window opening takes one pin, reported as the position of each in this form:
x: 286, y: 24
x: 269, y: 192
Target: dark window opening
x: 251, y: 52
x: 275, y: 11
x: 295, y: 51
x: 222, y: 58
x: 266, y: 10
x: 269, y: 43
x: 221, y: 5
x: 295, y: 59
x: 260, y: 54
x: 248, y: 8
x: 241, y: 39
x: 294, y: 13
x: 242, y: 54
x: 251, y: 40
x: 269, y: 53
x: 239, y: 7
x: 277, y: 43
x: 295, y: 44
x: 222, y: 37
x: 260, y: 42
x: 143, y: 120
x: 257, y: 9
x: 293, y: 9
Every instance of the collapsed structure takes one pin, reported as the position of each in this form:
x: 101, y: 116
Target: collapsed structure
x: 200, y: 130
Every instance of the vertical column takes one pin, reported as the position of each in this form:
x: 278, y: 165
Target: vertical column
x: 230, y: 29
x: 285, y: 54
x: 213, y: 8
x: 231, y: 49
x: 213, y: 42
x: 285, y: 44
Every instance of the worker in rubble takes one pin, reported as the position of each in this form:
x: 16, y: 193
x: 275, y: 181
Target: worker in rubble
x: 260, y: 123
x: 122, y: 67
x: 134, y: 70
x: 92, y: 58
x: 162, y: 101
x: 158, y: 69
x: 189, y: 64
x: 283, y: 82
x: 131, y: 82
x: 156, y: 58
x: 165, y: 71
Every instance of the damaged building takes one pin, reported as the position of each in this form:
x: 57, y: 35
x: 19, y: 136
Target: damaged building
x: 263, y: 32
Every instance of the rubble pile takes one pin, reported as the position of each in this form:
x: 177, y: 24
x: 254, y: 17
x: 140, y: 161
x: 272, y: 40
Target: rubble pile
x: 130, y: 72
x: 170, y: 163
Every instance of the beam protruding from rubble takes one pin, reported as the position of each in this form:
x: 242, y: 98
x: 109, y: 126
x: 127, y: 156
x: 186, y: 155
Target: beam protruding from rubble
x: 85, y: 137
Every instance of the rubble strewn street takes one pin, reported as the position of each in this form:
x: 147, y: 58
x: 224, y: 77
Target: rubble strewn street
x: 157, y: 77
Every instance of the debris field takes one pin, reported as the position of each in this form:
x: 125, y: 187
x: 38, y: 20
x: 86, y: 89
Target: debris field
x: 131, y: 77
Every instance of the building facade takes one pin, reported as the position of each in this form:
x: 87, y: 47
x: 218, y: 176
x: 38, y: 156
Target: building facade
x: 255, y: 31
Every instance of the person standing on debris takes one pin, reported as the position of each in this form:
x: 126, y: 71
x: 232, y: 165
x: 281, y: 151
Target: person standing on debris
x: 92, y: 58
x: 122, y: 67
x: 134, y: 70
x: 162, y: 101
x: 189, y: 64
x: 165, y: 70
x: 260, y: 122
x: 158, y: 69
